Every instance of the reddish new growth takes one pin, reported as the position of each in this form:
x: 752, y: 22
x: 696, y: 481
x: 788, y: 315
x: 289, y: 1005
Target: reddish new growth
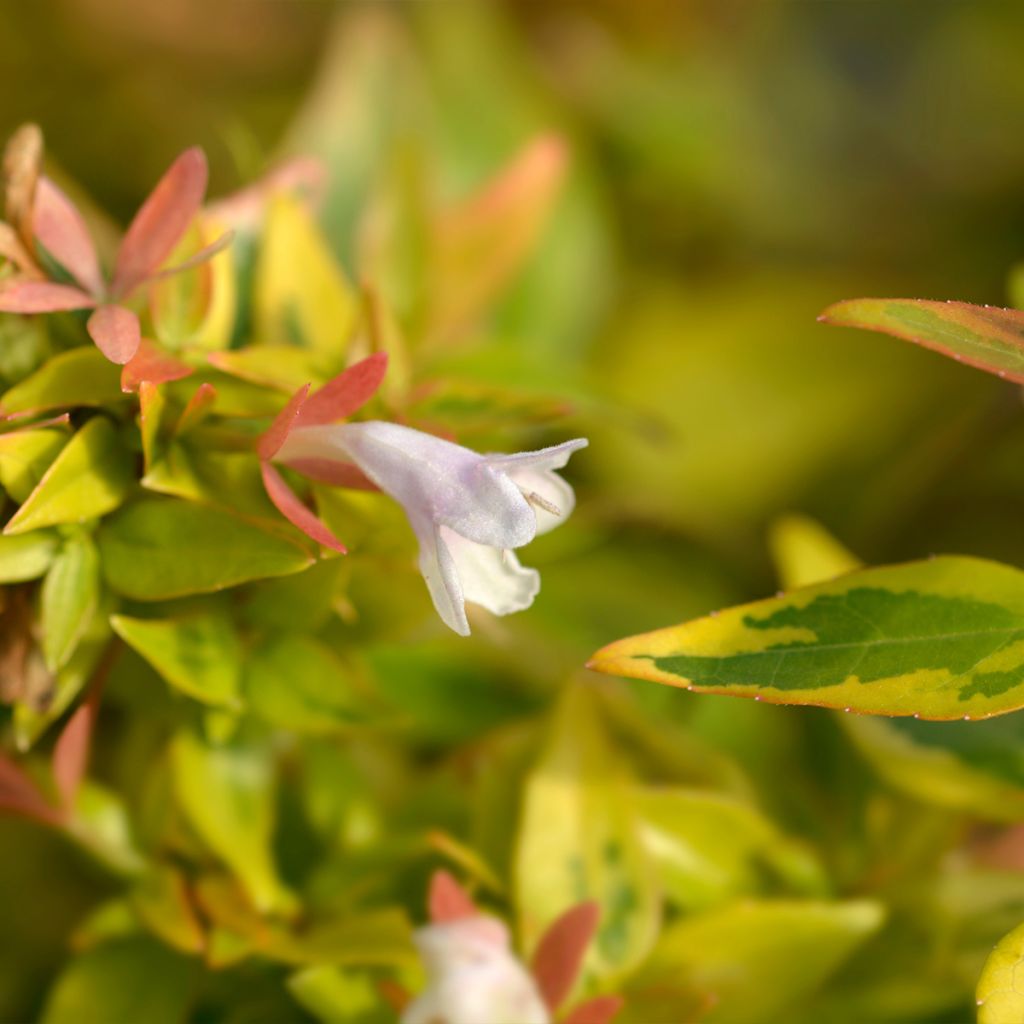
x: 44, y: 227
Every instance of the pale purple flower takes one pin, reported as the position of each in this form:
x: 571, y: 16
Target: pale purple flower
x: 469, y: 511
x: 473, y: 977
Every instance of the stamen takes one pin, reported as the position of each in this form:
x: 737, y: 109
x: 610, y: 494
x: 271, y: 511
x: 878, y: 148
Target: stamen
x: 535, y: 499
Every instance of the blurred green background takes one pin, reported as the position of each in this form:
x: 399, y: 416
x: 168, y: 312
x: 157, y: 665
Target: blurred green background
x: 737, y: 165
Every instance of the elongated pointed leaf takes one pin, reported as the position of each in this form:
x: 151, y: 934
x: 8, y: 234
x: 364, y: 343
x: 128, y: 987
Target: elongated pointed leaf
x: 23, y: 296
x: 559, y: 954
x: 60, y: 228
x: 83, y: 376
x: 25, y: 456
x: 152, y: 365
x: 295, y: 512
x: 27, y: 556
x: 987, y: 337
x: 71, y: 751
x: 599, y: 1010
x: 346, y: 393
x: 940, y: 639
x: 1000, y: 996
x: 22, y: 159
x: 92, y: 475
x: 200, y: 655
x: 116, y: 332
x: 164, y: 548
x: 161, y: 221
x: 68, y: 600
x: 447, y: 900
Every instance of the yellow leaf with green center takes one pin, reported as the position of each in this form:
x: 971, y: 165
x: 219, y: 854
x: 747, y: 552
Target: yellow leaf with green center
x: 1000, y: 992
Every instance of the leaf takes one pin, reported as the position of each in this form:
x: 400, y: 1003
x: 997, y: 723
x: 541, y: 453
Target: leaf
x: 117, y: 333
x: 987, y: 337
x: 1000, y: 996
x: 25, y: 456
x: 161, y: 221
x: 152, y: 405
x: 228, y: 795
x: 82, y: 376
x: 940, y: 639
x: 71, y: 751
x: 579, y: 840
x: 59, y: 226
x: 200, y: 655
x: 92, y: 476
x: 20, y: 795
x: 162, y: 548
x: 277, y: 433
x: 754, y: 960
x: 296, y: 682
x: 161, y: 898
x: 22, y: 159
x: 447, y: 900
x: 133, y: 979
x: 301, y: 295
x: 344, y: 394
x: 24, y: 296
x: 288, y: 504
x: 69, y: 596
x: 335, y: 996
x: 281, y: 367
x: 26, y: 557
x: 805, y: 552
x: 151, y: 365
x: 559, y: 954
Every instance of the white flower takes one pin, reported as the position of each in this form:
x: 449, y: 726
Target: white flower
x: 468, y: 510
x: 473, y: 978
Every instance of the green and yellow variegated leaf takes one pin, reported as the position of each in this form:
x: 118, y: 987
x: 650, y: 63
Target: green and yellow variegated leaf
x: 940, y: 639
x: 1000, y: 993
x: 987, y: 337
x: 82, y: 376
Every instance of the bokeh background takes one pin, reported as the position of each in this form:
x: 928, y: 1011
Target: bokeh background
x: 737, y: 165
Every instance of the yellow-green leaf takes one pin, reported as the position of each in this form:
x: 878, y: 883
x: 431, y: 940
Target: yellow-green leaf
x: 940, y: 639
x: 1000, y: 992
x: 92, y: 476
x: 805, y: 552
x: 25, y: 455
x: 82, y: 376
x: 27, y: 556
x: 68, y: 600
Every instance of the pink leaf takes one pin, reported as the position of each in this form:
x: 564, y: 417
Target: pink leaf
x: 20, y: 795
x: 59, y: 226
x: 559, y: 954
x: 337, y: 474
x: 343, y: 395
x: 12, y: 248
x: 197, y: 408
x: 71, y: 752
x: 152, y: 365
x: 197, y: 259
x: 116, y: 332
x: 295, y: 512
x: 447, y: 900
x: 276, y: 435
x: 161, y: 221
x: 599, y: 1010
x: 21, y: 296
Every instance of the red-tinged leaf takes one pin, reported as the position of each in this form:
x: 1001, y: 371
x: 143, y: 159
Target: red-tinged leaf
x: 447, y: 900
x: 244, y: 210
x: 12, y: 248
x: 197, y: 409
x: 23, y: 157
x: 986, y: 337
x: 276, y: 435
x: 71, y: 751
x: 116, y: 332
x: 197, y: 259
x: 559, y: 954
x: 337, y: 474
x: 23, y: 296
x: 394, y: 994
x: 343, y: 395
x: 599, y: 1010
x: 152, y: 365
x: 295, y: 512
x: 20, y: 795
x: 161, y: 221
x: 57, y: 223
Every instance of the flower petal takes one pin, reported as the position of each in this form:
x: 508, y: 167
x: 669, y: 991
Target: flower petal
x: 330, y: 471
x: 447, y: 900
x: 438, y: 569
x: 491, y: 578
x: 554, y: 457
x: 161, y: 221
x: 295, y: 512
x: 57, y: 223
x: 20, y: 296
x: 116, y: 332
x: 343, y: 395
x: 545, y: 490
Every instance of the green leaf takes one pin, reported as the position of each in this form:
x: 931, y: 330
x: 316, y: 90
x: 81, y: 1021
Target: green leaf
x: 301, y: 295
x: 753, y: 961
x: 987, y: 337
x: 939, y: 639
x: 25, y: 455
x: 296, y: 682
x: 200, y: 655
x: 134, y: 979
x: 335, y: 996
x: 805, y: 552
x: 1000, y: 995
x: 281, y: 367
x: 26, y: 557
x: 68, y: 600
x: 82, y: 376
x: 580, y: 839
x: 92, y: 476
x: 228, y: 795
x: 163, y: 548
